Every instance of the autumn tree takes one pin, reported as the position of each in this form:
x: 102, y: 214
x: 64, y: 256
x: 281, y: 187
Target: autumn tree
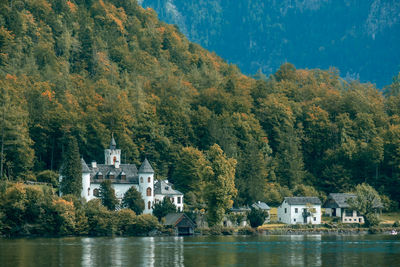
x: 220, y: 184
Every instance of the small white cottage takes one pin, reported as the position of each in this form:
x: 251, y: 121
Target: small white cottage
x: 300, y: 210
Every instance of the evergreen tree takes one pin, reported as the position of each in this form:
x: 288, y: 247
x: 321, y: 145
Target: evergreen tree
x: 133, y: 200
x: 71, y: 171
x: 256, y: 217
x: 107, y: 195
x: 161, y: 209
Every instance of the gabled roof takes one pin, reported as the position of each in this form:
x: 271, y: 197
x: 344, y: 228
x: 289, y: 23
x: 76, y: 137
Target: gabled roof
x: 165, y: 188
x: 146, y: 167
x: 338, y: 200
x: 173, y: 219
x: 98, y: 174
x: 261, y: 205
x: 303, y: 200
x: 85, y: 168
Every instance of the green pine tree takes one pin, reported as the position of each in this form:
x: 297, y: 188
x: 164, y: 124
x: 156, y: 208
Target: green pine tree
x: 71, y: 169
x: 133, y: 200
x: 107, y: 195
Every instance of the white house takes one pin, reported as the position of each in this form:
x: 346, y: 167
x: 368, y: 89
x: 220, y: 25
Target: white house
x: 123, y: 177
x: 164, y: 189
x: 300, y: 210
x: 337, y: 206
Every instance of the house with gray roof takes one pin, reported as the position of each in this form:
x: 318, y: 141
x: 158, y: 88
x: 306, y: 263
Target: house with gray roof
x: 300, y: 210
x: 123, y: 176
x: 180, y: 222
x: 165, y: 189
x: 337, y: 205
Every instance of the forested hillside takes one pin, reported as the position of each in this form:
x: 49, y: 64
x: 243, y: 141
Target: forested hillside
x: 359, y: 37
x: 89, y: 68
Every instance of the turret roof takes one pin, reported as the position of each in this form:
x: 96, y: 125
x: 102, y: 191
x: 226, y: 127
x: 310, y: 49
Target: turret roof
x: 146, y: 167
x: 113, y: 144
x: 85, y: 168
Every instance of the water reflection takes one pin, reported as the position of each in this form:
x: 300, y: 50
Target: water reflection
x: 296, y: 250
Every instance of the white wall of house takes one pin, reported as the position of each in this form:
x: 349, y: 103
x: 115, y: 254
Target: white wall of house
x: 329, y: 211
x: 177, y: 200
x: 120, y: 190
x: 293, y: 214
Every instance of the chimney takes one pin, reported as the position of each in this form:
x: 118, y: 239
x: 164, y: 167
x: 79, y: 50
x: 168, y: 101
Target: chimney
x: 94, y: 164
x: 117, y: 164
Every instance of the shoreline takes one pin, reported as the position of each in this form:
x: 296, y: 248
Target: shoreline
x: 244, y: 231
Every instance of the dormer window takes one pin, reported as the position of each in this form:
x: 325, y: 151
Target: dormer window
x: 99, y: 175
x: 111, y: 175
x: 123, y: 176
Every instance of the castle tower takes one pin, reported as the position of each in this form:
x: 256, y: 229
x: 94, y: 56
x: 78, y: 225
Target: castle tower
x: 85, y: 180
x: 146, y: 186
x: 112, y: 155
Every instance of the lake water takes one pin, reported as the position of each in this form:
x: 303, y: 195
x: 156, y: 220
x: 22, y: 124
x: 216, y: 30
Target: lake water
x: 289, y: 250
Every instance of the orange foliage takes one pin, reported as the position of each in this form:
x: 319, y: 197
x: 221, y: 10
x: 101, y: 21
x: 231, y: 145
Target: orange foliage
x: 161, y: 30
x: 176, y: 36
x: 49, y: 94
x: 117, y: 15
x: 11, y: 77
x: 72, y: 6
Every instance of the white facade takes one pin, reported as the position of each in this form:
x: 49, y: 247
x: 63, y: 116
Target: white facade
x: 348, y: 216
x: 142, y: 180
x: 146, y: 188
x: 294, y: 213
x: 177, y: 200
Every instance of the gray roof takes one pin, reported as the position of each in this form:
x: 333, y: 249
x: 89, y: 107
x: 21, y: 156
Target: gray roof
x: 261, y: 205
x: 146, y: 167
x: 302, y: 200
x: 338, y: 200
x: 174, y: 218
x: 85, y: 168
x: 101, y: 172
x: 165, y: 188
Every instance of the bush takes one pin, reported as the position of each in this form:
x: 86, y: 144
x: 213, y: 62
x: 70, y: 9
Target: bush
x: 100, y: 220
x: 371, y: 220
x: 396, y: 224
x: 49, y: 177
x: 246, y: 231
x: 143, y: 224
x: 256, y: 217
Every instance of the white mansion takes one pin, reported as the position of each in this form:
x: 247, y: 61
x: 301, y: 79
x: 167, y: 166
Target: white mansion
x: 123, y: 177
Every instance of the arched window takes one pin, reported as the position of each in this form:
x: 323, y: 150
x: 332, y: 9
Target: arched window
x: 148, y: 192
x: 149, y: 180
x: 114, y: 159
x: 141, y: 179
x: 88, y: 191
x: 149, y: 205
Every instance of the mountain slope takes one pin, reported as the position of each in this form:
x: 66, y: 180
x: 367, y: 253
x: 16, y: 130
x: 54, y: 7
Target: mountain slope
x: 360, y: 37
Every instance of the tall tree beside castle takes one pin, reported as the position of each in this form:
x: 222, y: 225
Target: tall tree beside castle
x: 71, y: 169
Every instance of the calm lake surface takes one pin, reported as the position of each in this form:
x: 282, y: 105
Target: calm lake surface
x: 293, y: 250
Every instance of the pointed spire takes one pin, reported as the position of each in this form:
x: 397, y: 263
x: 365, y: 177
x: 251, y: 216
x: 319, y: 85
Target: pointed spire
x: 85, y: 168
x: 113, y: 144
x: 146, y: 167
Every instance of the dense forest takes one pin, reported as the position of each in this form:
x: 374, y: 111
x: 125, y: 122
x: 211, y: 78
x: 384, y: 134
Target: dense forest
x: 89, y: 68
